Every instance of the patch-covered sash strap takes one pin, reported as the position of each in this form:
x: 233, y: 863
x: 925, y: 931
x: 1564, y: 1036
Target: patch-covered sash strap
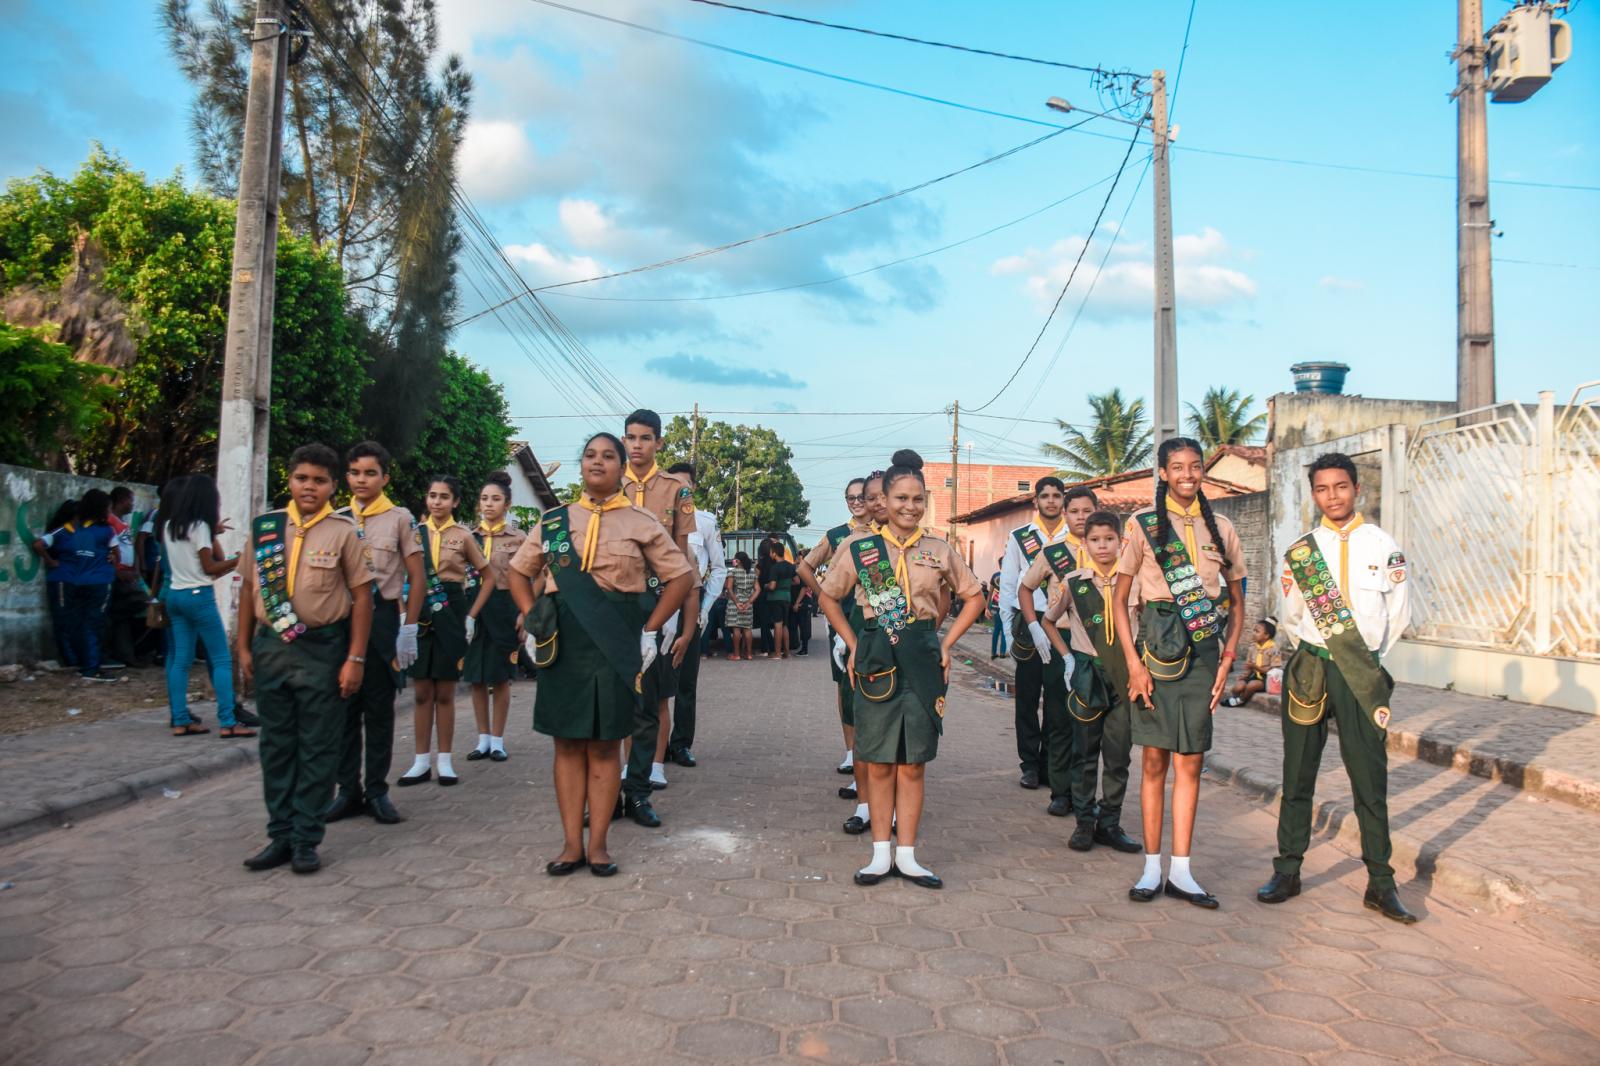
x: 1200, y: 616
x: 269, y: 537
x: 598, y: 615
x: 1334, y: 621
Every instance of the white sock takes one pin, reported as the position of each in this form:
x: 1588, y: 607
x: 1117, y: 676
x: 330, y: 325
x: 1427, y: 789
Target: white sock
x: 658, y: 773
x: 624, y: 769
x: 863, y: 812
x: 497, y: 743
x: 849, y: 759
x: 420, y: 765
x: 483, y: 743
x: 881, y: 855
x: 444, y: 765
x: 905, y: 860
x: 1179, y: 875
x: 1152, y: 873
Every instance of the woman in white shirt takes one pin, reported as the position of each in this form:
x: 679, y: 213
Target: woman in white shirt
x: 188, y: 523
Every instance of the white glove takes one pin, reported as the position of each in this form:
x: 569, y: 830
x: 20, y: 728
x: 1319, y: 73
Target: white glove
x: 405, y: 647
x: 647, y: 649
x: 472, y: 627
x: 705, y: 615
x: 1041, y: 643
x: 529, y: 645
x: 841, y: 651
x: 669, y: 632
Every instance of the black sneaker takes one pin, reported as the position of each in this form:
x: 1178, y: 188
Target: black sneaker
x: 99, y: 677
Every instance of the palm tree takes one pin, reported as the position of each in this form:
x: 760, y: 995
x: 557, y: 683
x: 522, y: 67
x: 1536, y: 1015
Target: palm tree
x: 1223, y: 417
x: 1118, y: 440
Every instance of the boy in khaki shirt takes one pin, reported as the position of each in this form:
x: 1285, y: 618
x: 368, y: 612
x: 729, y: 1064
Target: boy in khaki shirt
x: 307, y: 582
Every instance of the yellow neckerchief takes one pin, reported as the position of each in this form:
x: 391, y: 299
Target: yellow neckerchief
x: 591, y: 536
x: 900, y: 573
x: 488, y: 536
x: 1080, y: 554
x: 436, y: 537
x: 1263, y: 652
x: 379, y: 506
x: 1108, y: 585
x: 1050, y: 534
x: 628, y: 475
x: 1189, y: 514
x: 301, y: 528
x: 1344, y: 532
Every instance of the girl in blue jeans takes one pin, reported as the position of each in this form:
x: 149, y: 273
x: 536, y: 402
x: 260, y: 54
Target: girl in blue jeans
x: 84, y: 545
x: 187, y: 525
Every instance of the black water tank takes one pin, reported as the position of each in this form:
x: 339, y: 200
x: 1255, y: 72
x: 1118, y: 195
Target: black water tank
x: 1320, y: 377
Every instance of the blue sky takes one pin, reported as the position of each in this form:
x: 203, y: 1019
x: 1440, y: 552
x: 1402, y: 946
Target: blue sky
x: 598, y: 148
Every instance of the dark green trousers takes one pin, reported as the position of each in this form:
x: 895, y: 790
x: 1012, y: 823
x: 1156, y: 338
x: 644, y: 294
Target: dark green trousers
x: 370, y: 713
x: 1056, y: 754
x: 683, y: 707
x: 1108, y: 738
x: 1366, y: 760
x: 659, y: 683
x: 302, y: 724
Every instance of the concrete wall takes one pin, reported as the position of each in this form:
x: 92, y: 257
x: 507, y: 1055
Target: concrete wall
x: 1295, y: 419
x: 1249, y: 516
x: 27, y: 500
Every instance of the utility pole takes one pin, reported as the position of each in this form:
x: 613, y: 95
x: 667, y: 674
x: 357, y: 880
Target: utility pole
x: 1474, y: 282
x: 247, y: 358
x: 694, y: 440
x: 1166, y: 361
x: 955, y: 466
x: 738, y: 471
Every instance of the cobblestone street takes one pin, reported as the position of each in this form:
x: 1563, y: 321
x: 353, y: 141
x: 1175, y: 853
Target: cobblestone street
x: 735, y: 933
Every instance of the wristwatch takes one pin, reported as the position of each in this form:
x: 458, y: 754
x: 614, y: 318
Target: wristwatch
x: 357, y: 658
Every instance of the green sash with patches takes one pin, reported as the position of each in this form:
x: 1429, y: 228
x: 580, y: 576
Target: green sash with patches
x: 586, y: 599
x: 1028, y: 539
x: 269, y: 535
x: 875, y: 660
x: 1305, y: 683
x: 1200, y: 616
x: 837, y: 534
x: 437, y: 598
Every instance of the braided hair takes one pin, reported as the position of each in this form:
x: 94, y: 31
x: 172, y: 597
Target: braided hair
x: 1168, y: 448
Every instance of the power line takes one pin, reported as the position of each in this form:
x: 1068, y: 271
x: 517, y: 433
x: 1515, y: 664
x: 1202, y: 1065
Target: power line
x: 903, y: 37
x: 1072, y: 274
x: 1355, y: 168
x: 1183, y: 53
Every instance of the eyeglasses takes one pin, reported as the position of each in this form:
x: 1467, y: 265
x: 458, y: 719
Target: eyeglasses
x: 858, y: 498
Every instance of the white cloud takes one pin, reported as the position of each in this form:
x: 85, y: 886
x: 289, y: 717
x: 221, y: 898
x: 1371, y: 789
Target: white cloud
x: 1338, y: 284
x: 548, y: 266
x: 585, y: 223
x: 498, y: 163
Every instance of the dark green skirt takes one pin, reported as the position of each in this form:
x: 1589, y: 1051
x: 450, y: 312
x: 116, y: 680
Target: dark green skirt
x: 1181, y: 721
x: 906, y: 727
x: 580, y: 696
x: 492, y: 655
x: 442, y: 643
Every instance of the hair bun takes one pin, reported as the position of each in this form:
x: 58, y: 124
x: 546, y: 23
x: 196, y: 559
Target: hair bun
x: 501, y: 478
x: 907, y: 458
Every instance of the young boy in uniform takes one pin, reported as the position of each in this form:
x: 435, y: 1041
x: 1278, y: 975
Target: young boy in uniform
x: 670, y: 500
x: 1097, y: 704
x: 394, y: 550
x: 1346, y: 600
x: 307, y: 582
x: 712, y: 565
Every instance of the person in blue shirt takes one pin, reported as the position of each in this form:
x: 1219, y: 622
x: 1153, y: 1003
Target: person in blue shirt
x: 56, y: 572
x: 86, y: 546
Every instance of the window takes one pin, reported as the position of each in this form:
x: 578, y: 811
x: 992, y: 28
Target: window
x: 949, y: 482
x: 1024, y: 486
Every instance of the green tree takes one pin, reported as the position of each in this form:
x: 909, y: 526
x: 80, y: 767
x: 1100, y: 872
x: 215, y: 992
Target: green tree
x: 745, y: 474
x: 1118, y: 440
x: 1223, y: 417
x: 48, y: 396
x: 467, y: 434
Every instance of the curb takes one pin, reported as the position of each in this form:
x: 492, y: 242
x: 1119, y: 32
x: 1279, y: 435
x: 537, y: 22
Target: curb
x: 25, y: 821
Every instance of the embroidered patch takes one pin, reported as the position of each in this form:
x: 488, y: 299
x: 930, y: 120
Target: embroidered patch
x: 1397, y: 558
x: 1288, y: 584
x: 685, y: 493
x: 1397, y: 576
x: 1380, y: 717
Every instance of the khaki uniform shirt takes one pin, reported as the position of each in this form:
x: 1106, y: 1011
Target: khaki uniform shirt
x: 457, y: 551
x: 1139, y: 562
x: 668, y: 499
x: 502, y: 549
x: 818, y: 557
x: 333, y: 562
x: 934, y: 570
x: 389, y: 543
x: 1067, y: 606
x: 630, y: 538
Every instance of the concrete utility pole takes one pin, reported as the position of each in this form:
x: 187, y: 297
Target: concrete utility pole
x: 694, y: 440
x: 955, y: 467
x: 247, y: 359
x: 1474, y: 281
x: 1166, y: 322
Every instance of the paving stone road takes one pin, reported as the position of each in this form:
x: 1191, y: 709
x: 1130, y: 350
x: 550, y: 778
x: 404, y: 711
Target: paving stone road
x: 735, y: 934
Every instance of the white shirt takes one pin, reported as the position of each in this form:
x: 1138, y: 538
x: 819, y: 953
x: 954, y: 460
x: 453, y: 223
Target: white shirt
x: 1375, y: 590
x: 183, y: 556
x: 1014, y: 564
x: 705, y: 541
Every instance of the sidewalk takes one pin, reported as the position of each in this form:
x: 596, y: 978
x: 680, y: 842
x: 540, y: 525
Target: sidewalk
x: 1455, y: 817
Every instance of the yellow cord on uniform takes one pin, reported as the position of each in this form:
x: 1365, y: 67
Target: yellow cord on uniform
x: 900, y: 573
x: 301, y: 528
x: 379, y: 506
x: 488, y: 537
x: 1108, y: 584
x: 1344, y: 549
x: 436, y: 537
x: 1189, y: 514
x: 591, y: 536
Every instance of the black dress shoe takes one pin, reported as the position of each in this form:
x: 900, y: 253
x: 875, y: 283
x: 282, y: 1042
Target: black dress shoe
x: 644, y: 814
x: 682, y: 756
x: 498, y: 755
x: 1060, y: 806
x: 920, y: 880
x: 305, y: 859
x: 274, y: 854
x: 1142, y: 895
x: 343, y: 805
x: 415, y: 779
x: 243, y: 717
x: 474, y: 755
x: 657, y: 786
x: 603, y: 869
x: 1199, y: 899
x: 1114, y: 837
x: 864, y: 878
x: 843, y: 769
x: 856, y: 826
x: 1082, y: 838
x: 448, y: 779
x: 1279, y: 888
x: 1387, y: 900
x: 847, y: 792
x: 562, y: 869
x: 381, y: 807
x: 1030, y: 780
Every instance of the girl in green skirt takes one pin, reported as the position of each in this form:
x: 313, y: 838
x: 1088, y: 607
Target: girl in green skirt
x: 579, y: 580
x: 902, y: 578
x: 1181, y: 556
x: 492, y: 656
x: 445, y: 628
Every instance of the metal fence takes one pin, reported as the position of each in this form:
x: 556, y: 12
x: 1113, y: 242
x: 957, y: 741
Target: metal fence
x: 1502, y: 519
